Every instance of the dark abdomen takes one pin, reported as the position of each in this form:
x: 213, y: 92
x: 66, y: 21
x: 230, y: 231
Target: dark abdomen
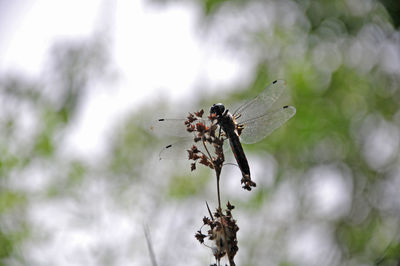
x: 240, y: 157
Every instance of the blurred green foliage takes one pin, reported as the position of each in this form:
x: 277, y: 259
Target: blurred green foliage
x: 22, y: 147
x: 184, y: 186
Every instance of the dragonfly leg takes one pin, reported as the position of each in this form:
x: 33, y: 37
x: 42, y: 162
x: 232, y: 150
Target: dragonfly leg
x: 239, y: 128
x: 221, y: 133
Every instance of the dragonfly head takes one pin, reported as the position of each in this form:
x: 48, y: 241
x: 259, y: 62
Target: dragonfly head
x: 217, y: 109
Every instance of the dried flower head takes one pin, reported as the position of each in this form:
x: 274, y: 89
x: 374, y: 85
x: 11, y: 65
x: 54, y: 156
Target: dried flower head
x: 205, y: 135
x: 222, y: 233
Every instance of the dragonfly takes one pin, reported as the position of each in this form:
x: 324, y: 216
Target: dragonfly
x: 249, y: 123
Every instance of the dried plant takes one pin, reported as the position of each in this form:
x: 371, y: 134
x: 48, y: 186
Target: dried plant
x: 222, y: 227
x: 222, y: 232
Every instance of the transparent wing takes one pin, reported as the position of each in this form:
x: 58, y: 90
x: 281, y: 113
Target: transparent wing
x: 170, y: 127
x: 260, y: 104
x: 167, y: 128
x: 258, y: 128
x: 177, y: 150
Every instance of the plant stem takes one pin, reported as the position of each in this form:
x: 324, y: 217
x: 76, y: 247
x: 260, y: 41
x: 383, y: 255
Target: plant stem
x: 218, y: 173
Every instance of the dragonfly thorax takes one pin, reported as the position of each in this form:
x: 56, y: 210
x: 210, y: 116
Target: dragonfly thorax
x: 225, y: 119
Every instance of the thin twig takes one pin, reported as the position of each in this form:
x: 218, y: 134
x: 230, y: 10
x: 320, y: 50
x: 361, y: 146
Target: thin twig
x: 149, y: 245
x: 209, y: 155
x: 209, y: 211
x: 218, y: 173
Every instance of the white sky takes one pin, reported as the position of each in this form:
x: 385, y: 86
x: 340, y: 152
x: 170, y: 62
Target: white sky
x: 157, y: 52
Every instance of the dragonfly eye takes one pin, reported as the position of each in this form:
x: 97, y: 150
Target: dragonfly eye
x: 217, y: 109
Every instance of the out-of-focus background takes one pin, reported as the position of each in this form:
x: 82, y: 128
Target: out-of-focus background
x: 81, y: 81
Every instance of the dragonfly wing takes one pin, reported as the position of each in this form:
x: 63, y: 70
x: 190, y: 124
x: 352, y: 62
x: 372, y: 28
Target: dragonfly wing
x: 258, y: 128
x: 175, y: 128
x: 260, y: 104
x: 177, y: 150
x: 170, y: 127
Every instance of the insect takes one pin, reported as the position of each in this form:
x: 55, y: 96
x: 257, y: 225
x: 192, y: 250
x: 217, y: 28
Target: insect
x: 250, y: 123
